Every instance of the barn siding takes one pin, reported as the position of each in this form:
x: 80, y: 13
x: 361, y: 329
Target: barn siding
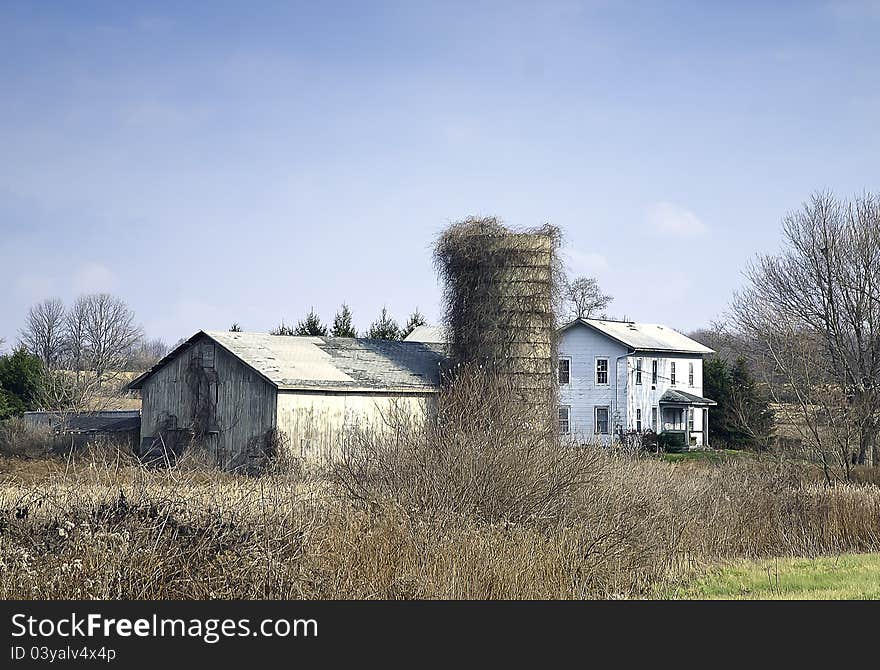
x: 244, y: 402
x: 318, y: 424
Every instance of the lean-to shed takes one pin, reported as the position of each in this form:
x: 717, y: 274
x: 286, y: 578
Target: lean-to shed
x: 241, y: 395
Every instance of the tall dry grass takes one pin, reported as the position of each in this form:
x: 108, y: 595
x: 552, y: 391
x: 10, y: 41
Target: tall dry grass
x: 466, y: 507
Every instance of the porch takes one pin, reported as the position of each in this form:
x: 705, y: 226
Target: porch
x: 684, y: 417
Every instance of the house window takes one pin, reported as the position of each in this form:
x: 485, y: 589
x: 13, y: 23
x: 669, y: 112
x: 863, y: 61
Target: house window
x: 564, y: 419
x: 690, y: 374
x: 639, y: 371
x: 638, y: 420
x: 654, y: 419
x: 601, y: 370
x: 602, y: 423
x: 672, y: 373
x: 654, y: 372
x: 564, y: 370
x: 691, y: 419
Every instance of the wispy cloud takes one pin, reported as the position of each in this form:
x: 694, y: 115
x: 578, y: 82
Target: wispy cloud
x: 93, y: 278
x: 671, y: 219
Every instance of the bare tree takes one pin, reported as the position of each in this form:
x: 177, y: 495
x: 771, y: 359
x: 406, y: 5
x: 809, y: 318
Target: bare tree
x: 814, y: 311
x: 146, y: 353
x: 582, y: 298
x: 100, y: 336
x: 43, y: 333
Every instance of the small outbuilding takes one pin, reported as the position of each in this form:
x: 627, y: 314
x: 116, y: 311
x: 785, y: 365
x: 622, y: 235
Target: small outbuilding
x: 73, y: 430
x: 243, y: 396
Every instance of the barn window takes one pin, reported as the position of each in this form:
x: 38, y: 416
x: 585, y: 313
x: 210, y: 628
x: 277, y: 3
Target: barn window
x: 672, y: 373
x: 208, y: 355
x: 601, y: 370
x: 691, y: 419
x: 602, y: 423
x: 564, y: 419
x: 654, y: 372
x: 690, y: 374
x: 639, y: 371
x: 638, y: 420
x: 654, y: 419
x: 564, y: 370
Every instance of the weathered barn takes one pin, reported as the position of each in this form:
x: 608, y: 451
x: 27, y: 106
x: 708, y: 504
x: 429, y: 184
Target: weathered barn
x: 239, y: 395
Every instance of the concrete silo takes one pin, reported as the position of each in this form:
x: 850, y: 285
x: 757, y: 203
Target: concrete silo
x: 499, y: 291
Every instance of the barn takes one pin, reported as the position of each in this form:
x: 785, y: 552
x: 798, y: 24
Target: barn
x: 241, y: 395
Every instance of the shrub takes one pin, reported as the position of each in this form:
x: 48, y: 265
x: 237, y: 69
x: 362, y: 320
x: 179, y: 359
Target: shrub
x: 478, y: 457
x: 23, y: 441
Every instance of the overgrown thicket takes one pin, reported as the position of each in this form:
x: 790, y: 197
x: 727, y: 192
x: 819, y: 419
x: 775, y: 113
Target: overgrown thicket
x: 464, y: 507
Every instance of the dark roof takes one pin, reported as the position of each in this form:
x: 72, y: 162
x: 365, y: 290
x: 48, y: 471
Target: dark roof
x: 676, y: 397
x: 108, y: 421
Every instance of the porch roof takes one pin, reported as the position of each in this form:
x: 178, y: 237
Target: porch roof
x: 676, y: 397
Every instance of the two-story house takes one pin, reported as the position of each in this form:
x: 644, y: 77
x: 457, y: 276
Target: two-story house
x: 619, y: 376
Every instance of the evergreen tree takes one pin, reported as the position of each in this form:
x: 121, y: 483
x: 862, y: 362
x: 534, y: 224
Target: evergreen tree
x: 311, y: 325
x: 20, y: 376
x: 415, y: 320
x: 282, y: 329
x: 743, y: 417
x: 384, y: 328
x: 342, y: 323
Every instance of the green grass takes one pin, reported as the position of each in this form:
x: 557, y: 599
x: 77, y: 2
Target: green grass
x: 845, y: 577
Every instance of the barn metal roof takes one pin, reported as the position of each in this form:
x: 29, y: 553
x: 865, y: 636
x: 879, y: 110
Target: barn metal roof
x: 328, y: 363
x: 643, y: 336
x: 433, y: 334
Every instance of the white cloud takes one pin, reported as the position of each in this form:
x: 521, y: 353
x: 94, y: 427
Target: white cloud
x: 670, y: 219
x: 588, y: 263
x: 93, y: 278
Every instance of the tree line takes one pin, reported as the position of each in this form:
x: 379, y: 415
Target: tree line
x: 803, y: 336
x: 385, y: 327
x: 70, y: 357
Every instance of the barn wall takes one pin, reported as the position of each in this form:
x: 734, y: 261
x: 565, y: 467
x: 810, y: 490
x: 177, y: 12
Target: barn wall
x: 204, y: 387
x: 317, y: 425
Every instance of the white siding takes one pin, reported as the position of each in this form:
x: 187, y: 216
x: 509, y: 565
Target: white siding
x: 646, y: 396
x: 583, y: 345
x: 318, y: 424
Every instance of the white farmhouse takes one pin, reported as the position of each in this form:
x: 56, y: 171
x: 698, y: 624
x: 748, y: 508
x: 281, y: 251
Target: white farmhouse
x: 619, y: 376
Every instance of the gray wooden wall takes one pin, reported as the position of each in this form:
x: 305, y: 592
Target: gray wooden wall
x: 234, y: 405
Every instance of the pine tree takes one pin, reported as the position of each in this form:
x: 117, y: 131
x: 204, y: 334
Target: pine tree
x: 282, y: 329
x: 311, y: 325
x: 415, y: 320
x: 743, y: 417
x: 384, y: 328
x: 342, y: 323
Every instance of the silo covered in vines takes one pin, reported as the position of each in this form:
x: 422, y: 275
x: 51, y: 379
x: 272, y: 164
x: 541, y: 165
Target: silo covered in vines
x: 499, y: 295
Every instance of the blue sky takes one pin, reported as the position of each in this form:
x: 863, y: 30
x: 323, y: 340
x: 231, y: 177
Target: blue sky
x: 220, y: 162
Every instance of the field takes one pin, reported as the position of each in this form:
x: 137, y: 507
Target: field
x: 559, y: 524
x: 845, y: 577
